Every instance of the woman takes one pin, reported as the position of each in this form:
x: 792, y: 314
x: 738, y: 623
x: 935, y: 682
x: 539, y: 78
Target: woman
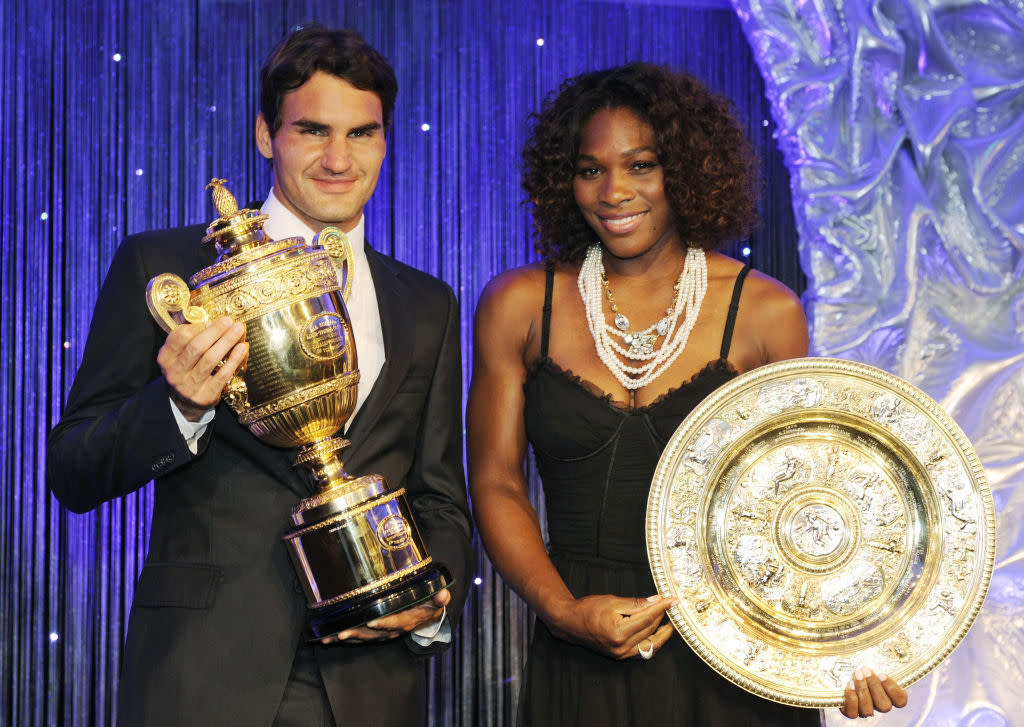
x: 635, y: 175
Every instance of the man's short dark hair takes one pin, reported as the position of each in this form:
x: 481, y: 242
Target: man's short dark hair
x: 342, y: 53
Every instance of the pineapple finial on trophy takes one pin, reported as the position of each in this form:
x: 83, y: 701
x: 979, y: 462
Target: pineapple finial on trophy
x: 234, y: 230
x: 223, y: 201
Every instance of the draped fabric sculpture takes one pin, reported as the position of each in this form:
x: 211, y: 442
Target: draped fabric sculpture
x: 902, y: 124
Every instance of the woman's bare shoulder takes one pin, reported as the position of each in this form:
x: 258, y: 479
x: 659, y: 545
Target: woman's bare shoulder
x: 776, y: 316
x: 757, y: 287
x: 773, y: 298
x: 770, y: 324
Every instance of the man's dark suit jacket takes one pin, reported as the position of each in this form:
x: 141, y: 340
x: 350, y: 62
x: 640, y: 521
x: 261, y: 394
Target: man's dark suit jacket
x: 218, y: 612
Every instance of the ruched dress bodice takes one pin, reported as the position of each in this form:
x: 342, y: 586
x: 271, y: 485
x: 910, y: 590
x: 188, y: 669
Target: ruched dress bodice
x: 596, y: 463
x: 596, y: 460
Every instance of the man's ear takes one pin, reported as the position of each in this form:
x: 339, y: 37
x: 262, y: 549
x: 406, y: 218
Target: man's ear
x: 264, y: 137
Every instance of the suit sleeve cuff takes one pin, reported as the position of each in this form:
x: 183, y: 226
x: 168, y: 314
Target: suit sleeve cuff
x: 438, y: 632
x: 191, y: 431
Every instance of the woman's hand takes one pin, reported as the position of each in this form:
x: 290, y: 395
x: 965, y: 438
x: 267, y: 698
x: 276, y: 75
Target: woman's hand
x: 868, y: 691
x: 621, y: 628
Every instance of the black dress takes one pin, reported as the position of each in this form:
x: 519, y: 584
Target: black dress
x: 596, y: 463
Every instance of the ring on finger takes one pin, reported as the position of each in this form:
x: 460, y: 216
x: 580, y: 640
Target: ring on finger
x: 647, y: 653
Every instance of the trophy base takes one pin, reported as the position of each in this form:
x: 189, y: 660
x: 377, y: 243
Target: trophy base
x: 416, y: 588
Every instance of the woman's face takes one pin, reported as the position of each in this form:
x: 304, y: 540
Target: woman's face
x: 619, y: 184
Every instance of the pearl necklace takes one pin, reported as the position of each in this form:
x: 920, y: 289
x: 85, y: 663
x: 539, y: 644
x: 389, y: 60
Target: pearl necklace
x: 641, y: 343
x: 690, y: 290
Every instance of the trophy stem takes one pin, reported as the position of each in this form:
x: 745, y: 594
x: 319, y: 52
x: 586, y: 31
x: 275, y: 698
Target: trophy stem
x: 324, y: 465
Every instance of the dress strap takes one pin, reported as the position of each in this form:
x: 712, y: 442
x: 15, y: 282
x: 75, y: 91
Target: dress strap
x: 734, y: 306
x: 545, y: 330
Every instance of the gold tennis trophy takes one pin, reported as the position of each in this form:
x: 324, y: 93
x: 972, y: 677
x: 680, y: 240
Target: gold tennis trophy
x: 354, y: 545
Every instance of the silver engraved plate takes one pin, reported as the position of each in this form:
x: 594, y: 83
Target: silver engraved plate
x: 817, y: 515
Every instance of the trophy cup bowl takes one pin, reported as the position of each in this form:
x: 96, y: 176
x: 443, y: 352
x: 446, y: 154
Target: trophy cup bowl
x: 354, y: 544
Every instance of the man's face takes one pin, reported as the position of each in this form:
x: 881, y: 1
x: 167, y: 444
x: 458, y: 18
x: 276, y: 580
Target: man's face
x: 327, y: 152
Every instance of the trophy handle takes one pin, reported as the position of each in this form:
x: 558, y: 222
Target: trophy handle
x: 336, y: 243
x: 169, y: 301
x: 236, y: 394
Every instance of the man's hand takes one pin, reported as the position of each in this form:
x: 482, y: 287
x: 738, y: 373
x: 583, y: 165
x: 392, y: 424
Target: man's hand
x: 395, y: 625
x: 198, y: 360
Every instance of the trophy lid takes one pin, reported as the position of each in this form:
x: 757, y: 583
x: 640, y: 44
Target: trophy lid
x: 239, y: 237
x: 240, y: 240
x: 234, y: 230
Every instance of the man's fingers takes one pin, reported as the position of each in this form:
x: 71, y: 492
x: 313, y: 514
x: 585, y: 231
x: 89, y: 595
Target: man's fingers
x: 179, y: 339
x: 227, y: 369
x: 191, y: 340
x: 408, y: 620
x: 212, y: 357
x: 360, y: 635
x: 395, y: 624
x: 442, y: 598
x: 413, y: 617
x: 199, y: 359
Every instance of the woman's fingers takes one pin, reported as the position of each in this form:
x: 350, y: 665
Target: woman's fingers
x: 647, y: 610
x: 897, y: 694
x: 850, y: 708
x: 879, y: 699
x: 648, y: 646
x: 857, y: 697
x: 616, y: 625
x: 868, y: 692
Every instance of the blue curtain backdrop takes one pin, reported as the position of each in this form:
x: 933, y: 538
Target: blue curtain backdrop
x: 116, y: 114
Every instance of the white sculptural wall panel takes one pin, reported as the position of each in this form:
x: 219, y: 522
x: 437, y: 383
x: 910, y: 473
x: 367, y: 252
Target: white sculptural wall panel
x: 902, y: 124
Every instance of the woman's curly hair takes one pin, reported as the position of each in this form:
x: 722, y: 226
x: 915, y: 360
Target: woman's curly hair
x: 708, y: 162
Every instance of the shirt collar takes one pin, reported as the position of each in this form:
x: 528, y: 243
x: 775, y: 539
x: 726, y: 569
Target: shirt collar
x: 284, y: 223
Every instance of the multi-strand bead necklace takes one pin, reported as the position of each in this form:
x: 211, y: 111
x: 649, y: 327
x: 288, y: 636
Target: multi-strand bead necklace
x: 689, y: 295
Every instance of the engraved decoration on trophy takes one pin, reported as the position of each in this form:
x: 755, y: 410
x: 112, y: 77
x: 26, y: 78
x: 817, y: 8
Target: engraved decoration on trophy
x: 817, y: 515
x: 355, y: 547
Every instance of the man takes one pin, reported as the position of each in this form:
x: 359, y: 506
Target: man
x: 216, y: 630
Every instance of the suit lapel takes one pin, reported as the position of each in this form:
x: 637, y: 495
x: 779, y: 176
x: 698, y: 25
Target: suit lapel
x: 396, y: 327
